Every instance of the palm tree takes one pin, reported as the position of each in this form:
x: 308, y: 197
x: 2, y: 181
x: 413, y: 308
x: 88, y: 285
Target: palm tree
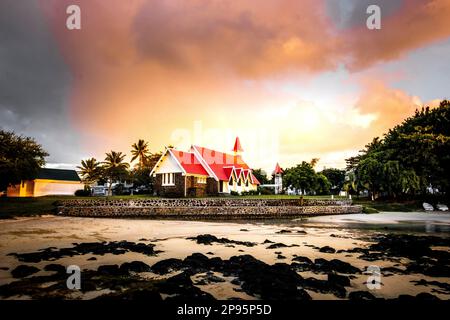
x: 351, y: 184
x: 313, y: 162
x: 114, y: 166
x: 140, y: 151
x: 90, y: 170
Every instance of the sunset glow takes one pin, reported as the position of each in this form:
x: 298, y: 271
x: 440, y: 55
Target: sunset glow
x: 293, y: 79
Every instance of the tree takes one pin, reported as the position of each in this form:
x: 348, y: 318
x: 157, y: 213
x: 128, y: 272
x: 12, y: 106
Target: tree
x: 301, y: 177
x: 323, y: 185
x: 115, y: 168
x: 336, y: 177
x: 152, y: 159
x: 261, y: 175
x: 20, y: 158
x: 314, y: 162
x: 412, y: 157
x: 369, y: 175
x: 140, y: 151
x: 91, y: 171
x: 350, y: 184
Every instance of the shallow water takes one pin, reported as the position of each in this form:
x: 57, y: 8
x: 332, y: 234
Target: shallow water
x: 340, y: 232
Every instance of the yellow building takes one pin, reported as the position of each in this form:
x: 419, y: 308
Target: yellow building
x: 47, y: 182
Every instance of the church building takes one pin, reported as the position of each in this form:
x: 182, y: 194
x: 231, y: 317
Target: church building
x: 202, y: 172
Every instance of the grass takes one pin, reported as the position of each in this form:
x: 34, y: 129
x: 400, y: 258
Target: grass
x: 285, y: 196
x: 28, y: 207
x: 12, y: 207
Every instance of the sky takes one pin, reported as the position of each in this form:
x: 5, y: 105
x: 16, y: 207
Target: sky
x: 295, y: 80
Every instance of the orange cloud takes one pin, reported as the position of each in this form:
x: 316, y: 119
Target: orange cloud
x: 415, y: 24
x: 241, y: 37
x: 142, y: 69
x: 389, y: 106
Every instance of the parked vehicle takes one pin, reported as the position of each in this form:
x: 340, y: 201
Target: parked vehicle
x: 142, y: 190
x: 427, y: 207
x: 99, y: 191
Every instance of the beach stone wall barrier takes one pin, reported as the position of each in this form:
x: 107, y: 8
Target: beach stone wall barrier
x: 210, y: 208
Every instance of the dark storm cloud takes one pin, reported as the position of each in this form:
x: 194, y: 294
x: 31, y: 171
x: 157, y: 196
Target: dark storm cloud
x: 352, y: 13
x: 34, y: 81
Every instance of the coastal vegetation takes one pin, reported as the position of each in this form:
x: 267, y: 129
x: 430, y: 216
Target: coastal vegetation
x: 411, y: 160
x: 408, y: 165
x: 20, y: 158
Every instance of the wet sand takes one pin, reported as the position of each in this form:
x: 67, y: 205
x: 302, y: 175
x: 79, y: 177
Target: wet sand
x: 301, y: 237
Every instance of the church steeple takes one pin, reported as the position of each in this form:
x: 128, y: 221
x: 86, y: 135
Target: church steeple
x: 277, y: 173
x: 237, y: 146
x: 278, y: 169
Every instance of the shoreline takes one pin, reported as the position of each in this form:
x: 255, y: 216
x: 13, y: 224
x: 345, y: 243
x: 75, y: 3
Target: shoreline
x: 211, y: 258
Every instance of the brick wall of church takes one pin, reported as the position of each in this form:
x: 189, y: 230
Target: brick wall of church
x: 176, y: 190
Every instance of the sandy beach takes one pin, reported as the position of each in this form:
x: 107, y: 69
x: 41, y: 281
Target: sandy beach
x: 273, y: 243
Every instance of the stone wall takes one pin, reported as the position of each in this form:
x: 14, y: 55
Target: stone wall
x: 206, y: 208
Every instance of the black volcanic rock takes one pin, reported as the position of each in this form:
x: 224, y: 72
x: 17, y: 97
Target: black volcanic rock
x: 361, y: 295
x: 167, y: 265
x: 133, y: 295
x: 324, y: 286
x: 339, y: 280
x: 23, y: 271
x: 95, y: 248
x: 135, y: 266
x: 180, y: 287
x: 110, y: 270
x: 323, y: 265
x: 301, y: 259
x: 272, y: 282
x: 209, y: 239
x: 284, y: 231
x: 277, y: 245
x: 327, y: 249
x: 55, y: 267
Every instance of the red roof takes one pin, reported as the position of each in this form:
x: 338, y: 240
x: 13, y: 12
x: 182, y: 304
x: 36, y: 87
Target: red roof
x: 190, y: 163
x: 219, y: 161
x: 237, y: 146
x: 228, y: 171
x: 278, y: 169
x: 255, y: 181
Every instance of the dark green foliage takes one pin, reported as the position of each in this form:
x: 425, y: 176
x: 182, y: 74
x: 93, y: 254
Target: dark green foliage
x: 91, y: 170
x: 20, y: 158
x: 303, y: 177
x: 411, y: 157
x: 142, y: 178
x: 336, y: 177
x: 261, y: 175
x: 250, y: 193
x: 83, y: 193
x: 265, y: 191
